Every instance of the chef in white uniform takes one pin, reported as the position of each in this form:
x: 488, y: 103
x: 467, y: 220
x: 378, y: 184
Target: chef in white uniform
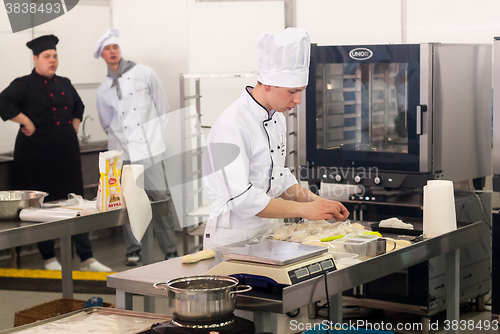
x: 132, y: 106
x: 244, y: 166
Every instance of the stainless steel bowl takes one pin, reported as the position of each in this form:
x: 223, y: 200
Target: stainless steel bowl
x: 202, y: 299
x: 11, y: 202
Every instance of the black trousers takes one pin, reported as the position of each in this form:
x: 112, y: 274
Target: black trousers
x: 49, y: 161
x: 81, y: 242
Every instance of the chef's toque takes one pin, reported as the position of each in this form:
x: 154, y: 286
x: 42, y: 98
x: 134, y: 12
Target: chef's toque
x: 109, y: 37
x: 43, y: 43
x: 283, y: 58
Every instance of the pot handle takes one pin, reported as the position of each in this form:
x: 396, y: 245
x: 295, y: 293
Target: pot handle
x: 159, y: 286
x: 245, y: 288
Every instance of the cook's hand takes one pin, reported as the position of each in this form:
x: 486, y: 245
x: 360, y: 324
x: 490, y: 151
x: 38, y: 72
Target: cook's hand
x: 28, y: 128
x: 325, y: 209
x: 76, y: 124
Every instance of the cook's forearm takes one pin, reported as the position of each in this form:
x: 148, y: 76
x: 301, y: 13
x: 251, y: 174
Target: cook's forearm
x: 278, y: 208
x: 298, y: 193
x: 76, y: 124
x: 21, y: 119
x: 312, y: 210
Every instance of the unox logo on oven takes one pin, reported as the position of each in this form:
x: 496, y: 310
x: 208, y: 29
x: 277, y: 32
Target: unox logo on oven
x: 361, y: 54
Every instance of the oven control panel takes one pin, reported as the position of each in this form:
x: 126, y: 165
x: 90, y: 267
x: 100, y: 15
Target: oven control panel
x: 311, y: 270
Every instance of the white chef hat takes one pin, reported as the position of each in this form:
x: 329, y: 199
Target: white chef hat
x: 283, y: 58
x: 109, y: 37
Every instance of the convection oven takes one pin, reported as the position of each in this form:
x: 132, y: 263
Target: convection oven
x: 395, y: 116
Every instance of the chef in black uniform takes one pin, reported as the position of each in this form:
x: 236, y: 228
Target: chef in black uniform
x: 47, y: 153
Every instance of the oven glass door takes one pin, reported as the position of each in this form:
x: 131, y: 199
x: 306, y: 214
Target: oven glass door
x: 361, y: 107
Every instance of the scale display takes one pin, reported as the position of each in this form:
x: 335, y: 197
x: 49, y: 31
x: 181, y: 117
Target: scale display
x: 280, y: 275
x: 311, y: 270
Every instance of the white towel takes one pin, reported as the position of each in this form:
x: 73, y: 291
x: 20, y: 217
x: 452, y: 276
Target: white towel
x: 136, y: 199
x: 47, y: 215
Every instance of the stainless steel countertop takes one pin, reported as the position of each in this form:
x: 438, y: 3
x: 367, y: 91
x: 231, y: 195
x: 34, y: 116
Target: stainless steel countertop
x: 140, y: 280
x: 90, y: 147
x: 18, y: 233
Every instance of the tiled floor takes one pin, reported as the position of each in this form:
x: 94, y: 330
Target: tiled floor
x: 109, y: 249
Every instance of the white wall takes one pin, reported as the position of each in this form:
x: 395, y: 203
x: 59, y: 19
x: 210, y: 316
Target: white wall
x: 452, y: 21
x: 344, y: 22
x: 155, y: 33
x: 223, y: 38
x: 181, y: 36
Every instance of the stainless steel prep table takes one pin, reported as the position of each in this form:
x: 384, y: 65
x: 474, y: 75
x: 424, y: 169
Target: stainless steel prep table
x: 18, y: 233
x: 266, y: 306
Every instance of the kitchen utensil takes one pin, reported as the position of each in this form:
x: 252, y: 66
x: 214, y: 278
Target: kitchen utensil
x: 12, y: 202
x: 376, y: 227
x: 203, y: 299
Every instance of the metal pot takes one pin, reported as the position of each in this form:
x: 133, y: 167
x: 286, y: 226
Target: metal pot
x: 11, y: 202
x: 202, y: 299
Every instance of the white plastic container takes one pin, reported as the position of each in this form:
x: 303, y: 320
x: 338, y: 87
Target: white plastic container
x: 343, y: 260
x: 365, y: 247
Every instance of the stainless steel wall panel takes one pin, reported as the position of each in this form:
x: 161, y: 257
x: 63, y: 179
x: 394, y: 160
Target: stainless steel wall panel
x: 496, y: 108
x: 462, y: 110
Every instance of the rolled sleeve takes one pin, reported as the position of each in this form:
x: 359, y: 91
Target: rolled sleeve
x: 290, y: 180
x: 11, y: 98
x: 78, y: 106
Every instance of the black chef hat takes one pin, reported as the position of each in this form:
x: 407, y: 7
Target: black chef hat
x: 42, y: 43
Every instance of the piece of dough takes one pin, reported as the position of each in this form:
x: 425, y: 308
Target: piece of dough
x: 399, y: 244
x: 395, y: 223
x: 202, y: 255
x: 283, y: 233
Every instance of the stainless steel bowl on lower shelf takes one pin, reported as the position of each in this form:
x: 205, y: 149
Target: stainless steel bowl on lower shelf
x: 12, y: 202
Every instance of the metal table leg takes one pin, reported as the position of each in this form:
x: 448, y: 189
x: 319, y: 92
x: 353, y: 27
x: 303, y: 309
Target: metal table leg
x: 67, y: 267
x: 336, y: 309
x: 265, y: 322
x: 311, y: 310
x: 453, y: 289
x: 124, y: 300
x: 148, y: 258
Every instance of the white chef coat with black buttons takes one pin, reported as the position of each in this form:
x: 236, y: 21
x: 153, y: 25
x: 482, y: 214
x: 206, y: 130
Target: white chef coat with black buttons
x: 245, y: 186
x: 126, y: 120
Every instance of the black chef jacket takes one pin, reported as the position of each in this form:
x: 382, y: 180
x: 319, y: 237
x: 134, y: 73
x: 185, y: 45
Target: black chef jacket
x: 48, y: 160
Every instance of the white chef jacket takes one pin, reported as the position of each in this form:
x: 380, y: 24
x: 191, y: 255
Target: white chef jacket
x: 245, y: 186
x: 133, y: 124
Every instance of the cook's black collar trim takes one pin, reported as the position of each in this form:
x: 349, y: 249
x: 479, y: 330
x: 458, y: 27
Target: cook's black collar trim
x: 269, y: 116
x: 270, y: 155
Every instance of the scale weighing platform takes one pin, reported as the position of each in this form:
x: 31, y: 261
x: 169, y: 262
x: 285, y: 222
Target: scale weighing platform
x: 277, y: 262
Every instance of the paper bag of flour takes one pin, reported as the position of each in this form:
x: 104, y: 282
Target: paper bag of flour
x: 109, y: 194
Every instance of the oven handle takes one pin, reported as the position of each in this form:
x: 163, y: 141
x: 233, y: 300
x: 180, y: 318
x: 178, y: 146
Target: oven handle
x: 421, y: 108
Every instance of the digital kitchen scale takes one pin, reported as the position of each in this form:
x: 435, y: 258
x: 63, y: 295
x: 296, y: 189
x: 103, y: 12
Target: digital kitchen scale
x: 278, y: 262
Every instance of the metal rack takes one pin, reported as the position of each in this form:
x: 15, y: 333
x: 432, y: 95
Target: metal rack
x: 193, y: 204
x: 342, y: 117
x: 341, y: 100
x: 383, y: 107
